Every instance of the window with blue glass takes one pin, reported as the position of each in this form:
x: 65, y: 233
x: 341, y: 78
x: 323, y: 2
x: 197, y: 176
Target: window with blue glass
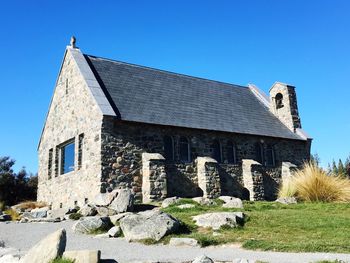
x: 67, y: 157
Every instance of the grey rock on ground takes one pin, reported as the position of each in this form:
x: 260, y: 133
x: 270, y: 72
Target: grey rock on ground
x: 10, y: 259
x: 231, y: 202
x: 5, y: 217
x: 88, y: 210
x: 202, y: 259
x: 148, y: 225
x: 186, y: 206
x: 105, y: 199
x: 115, y: 231
x: 123, y: 202
x: 47, y: 249
x: 183, y: 241
x: 83, y: 256
x: 116, y: 218
x: 287, y: 200
x: 170, y: 201
x: 204, y: 201
x: 219, y: 219
x: 105, y: 211
x: 86, y: 225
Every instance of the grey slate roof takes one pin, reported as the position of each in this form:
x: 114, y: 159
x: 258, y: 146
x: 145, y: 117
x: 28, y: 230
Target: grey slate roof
x: 147, y: 95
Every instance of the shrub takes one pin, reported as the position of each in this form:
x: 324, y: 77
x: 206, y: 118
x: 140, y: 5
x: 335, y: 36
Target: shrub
x: 13, y: 213
x: 75, y: 216
x: 62, y: 260
x: 313, y: 184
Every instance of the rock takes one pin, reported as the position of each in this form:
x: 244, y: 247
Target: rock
x: 202, y: 259
x: 115, y: 231
x: 44, y: 220
x: 242, y: 260
x: 9, y: 251
x: 86, y: 225
x: 204, y: 201
x: 24, y: 220
x: 186, y: 206
x: 123, y: 202
x: 9, y: 259
x: 219, y: 219
x: 105, y: 199
x: 5, y: 217
x: 105, y: 211
x: 176, y: 241
x: 116, y: 218
x: 57, y: 213
x: 148, y: 225
x: 36, y: 213
x: 47, y: 249
x: 287, y: 200
x: 83, y: 256
x: 231, y: 202
x: 88, y: 210
x: 170, y: 201
x: 71, y: 211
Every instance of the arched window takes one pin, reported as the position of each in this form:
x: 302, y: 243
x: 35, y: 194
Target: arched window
x: 270, y: 156
x: 216, y: 151
x: 259, y: 152
x: 279, y: 100
x: 168, y: 148
x: 184, y: 149
x: 231, y: 153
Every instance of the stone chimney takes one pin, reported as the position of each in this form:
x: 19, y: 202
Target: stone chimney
x: 284, y: 105
x: 73, y: 41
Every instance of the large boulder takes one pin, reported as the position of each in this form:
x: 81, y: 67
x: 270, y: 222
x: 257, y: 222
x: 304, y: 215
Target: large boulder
x: 287, y: 200
x: 9, y: 259
x: 47, y: 249
x: 204, y: 201
x: 36, y: 213
x: 123, y: 202
x: 83, y: 256
x: 115, y: 231
x: 152, y: 224
x: 219, y: 219
x: 88, y: 210
x: 231, y: 202
x: 87, y: 225
x: 170, y: 201
x: 105, y: 199
x: 183, y: 241
x: 116, y: 218
x: 202, y: 259
x: 105, y: 211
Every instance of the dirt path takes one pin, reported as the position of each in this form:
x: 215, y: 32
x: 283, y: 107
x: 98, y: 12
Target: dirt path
x: 24, y: 236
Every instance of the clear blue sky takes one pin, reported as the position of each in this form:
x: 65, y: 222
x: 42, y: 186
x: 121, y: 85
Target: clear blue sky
x: 304, y: 43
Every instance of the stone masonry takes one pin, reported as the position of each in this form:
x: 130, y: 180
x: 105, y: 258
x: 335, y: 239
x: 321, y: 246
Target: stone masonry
x: 154, y: 181
x: 208, y: 177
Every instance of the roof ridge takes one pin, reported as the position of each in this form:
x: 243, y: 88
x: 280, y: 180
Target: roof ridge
x: 168, y: 71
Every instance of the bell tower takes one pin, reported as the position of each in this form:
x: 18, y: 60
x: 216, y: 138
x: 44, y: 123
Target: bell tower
x: 284, y: 105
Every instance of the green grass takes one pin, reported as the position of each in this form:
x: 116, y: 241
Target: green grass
x: 303, y: 227
x: 62, y: 260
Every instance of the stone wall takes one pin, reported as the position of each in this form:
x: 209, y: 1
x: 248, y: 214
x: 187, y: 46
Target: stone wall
x: 73, y: 112
x: 154, y: 179
x: 124, y: 142
x: 208, y: 177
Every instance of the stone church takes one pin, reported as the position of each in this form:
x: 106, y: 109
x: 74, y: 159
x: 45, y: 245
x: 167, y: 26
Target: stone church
x: 113, y: 125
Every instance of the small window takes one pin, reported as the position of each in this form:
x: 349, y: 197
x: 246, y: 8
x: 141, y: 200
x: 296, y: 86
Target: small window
x: 67, y: 88
x: 49, y: 164
x: 270, y: 156
x: 216, y: 151
x: 279, y: 100
x: 184, y: 149
x: 80, y: 150
x: 168, y: 148
x: 67, y: 157
x: 231, y: 153
x: 259, y: 148
x: 57, y: 153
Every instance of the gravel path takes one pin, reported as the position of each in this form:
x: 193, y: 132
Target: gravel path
x: 24, y: 236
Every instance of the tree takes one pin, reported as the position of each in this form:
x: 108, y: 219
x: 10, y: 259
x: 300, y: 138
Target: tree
x: 16, y: 187
x: 341, y: 168
x: 315, y: 159
x: 334, y: 168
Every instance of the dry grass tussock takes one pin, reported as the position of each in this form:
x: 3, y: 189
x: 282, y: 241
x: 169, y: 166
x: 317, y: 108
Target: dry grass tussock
x: 29, y: 205
x: 313, y: 184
